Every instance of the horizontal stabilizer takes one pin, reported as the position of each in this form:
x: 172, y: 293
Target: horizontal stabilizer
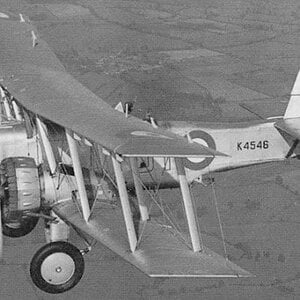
x: 159, y: 254
x: 290, y: 126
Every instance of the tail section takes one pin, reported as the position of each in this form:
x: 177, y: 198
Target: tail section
x: 293, y: 109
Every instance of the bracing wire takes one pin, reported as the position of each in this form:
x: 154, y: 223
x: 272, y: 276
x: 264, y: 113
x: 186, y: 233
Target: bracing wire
x: 167, y: 217
x: 101, y: 166
x: 156, y: 192
x: 219, y: 218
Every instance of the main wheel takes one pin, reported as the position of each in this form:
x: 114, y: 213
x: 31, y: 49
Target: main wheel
x: 57, y: 267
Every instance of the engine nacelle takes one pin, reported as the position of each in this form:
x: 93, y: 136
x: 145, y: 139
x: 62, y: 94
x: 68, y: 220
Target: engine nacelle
x: 21, y: 195
x: 16, y: 143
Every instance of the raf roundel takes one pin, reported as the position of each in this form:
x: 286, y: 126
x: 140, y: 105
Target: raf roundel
x: 205, y: 139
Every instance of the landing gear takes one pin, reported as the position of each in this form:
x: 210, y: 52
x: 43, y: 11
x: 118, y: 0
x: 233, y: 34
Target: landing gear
x: 57, y: 267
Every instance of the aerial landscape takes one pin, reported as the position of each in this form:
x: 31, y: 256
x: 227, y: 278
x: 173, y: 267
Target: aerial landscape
x: 194, y: 61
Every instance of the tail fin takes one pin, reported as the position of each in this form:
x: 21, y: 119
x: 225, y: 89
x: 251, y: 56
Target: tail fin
x: 293, y: 109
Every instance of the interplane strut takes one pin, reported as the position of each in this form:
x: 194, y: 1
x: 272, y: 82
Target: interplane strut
x: 78, y: 175
x: 132, y: 238
x: 188, y: 205
x: 139, y: 189
x: 47, y: 145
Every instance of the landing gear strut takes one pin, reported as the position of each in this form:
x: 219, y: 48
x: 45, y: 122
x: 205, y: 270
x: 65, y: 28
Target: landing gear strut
x: 57, y: 267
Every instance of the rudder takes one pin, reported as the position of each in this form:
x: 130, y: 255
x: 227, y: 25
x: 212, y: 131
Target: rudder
x: 293, y: 108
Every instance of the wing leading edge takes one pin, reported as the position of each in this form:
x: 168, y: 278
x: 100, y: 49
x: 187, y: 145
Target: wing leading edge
x: 39, y: 82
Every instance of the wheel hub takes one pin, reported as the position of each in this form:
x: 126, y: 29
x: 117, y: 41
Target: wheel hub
x: 57, y: 268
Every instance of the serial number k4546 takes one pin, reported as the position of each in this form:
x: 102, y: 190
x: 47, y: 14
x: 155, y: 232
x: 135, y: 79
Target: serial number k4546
x: 252, y: 145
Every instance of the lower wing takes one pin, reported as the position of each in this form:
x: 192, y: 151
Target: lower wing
x: 159, y: 254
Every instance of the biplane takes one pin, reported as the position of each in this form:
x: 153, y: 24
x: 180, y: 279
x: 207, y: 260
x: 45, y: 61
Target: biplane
x: 71, y: 159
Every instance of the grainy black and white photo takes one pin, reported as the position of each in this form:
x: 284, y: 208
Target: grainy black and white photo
x: 149, y: 149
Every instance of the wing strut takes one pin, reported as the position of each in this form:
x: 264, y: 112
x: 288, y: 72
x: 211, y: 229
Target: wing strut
x: 188, y: 205
x: 78, y: 175
x: 47, y: 145
x: 17, y: 110
x: 139, y: 189
x: 6, y: 105
x: 132, y: 238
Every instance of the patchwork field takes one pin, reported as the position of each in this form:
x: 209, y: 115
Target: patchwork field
x: 204, y: 60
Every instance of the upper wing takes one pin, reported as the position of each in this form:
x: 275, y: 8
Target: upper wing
x: 261, y: 109
x: 37, y: 79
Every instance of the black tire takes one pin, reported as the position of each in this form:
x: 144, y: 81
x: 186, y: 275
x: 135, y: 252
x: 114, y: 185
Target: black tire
x: 18, y: 230
x: 45, y: 257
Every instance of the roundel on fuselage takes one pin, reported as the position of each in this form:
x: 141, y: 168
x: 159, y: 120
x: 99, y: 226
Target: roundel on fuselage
x: 203, y: 138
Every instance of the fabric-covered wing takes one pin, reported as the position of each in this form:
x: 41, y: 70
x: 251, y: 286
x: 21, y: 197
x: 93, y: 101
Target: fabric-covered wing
x: 159, y: 252
x: 261, y: 108
x: 39, y: 82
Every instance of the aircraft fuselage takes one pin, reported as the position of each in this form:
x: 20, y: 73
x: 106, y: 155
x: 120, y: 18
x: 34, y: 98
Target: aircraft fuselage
x: 243, y: 143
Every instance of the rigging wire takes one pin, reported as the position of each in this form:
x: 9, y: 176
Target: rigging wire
x: 101, y: 166
x: 155, y: 191
x: 219, y: 218
x: 167, y: 217
x: 155, y: 195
